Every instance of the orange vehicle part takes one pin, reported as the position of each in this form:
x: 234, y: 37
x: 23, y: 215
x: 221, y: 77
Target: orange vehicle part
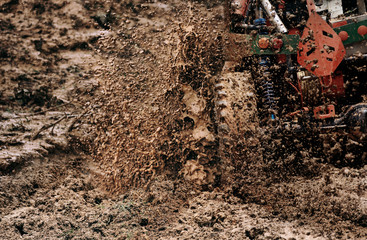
x: 362, y: 30
x: 264, y: 43
x: 324, y: 112
x: 299, y: 112
x: 241, y: 6
x: 333, y: 86
x: 321, y: 50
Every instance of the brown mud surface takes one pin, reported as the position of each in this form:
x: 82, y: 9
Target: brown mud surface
x: 109, y: 130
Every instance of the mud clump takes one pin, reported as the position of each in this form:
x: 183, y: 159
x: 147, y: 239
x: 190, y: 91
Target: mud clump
x: 154, y: 122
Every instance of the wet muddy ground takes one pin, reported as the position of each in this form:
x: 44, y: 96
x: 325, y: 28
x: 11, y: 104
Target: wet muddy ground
x: 108, y: 131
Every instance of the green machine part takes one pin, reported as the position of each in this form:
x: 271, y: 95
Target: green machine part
x: 352, y: 30
x: 290, y: 42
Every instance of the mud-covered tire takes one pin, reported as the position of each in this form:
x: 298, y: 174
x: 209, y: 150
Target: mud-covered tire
x: 343, y: 150
x: 237, y: 121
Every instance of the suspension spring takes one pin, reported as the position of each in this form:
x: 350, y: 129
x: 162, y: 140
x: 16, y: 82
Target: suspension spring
x: 268, y: 92
x: 266, y: 81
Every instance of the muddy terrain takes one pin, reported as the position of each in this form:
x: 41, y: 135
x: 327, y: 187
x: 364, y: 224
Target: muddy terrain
x: 109, y: 130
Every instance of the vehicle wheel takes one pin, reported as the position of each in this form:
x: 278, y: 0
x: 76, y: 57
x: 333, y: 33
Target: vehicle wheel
x: 237, y: 122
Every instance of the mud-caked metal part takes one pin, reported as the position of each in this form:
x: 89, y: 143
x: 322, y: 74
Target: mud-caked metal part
x: 344, y: 150
x: 237, y: 120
